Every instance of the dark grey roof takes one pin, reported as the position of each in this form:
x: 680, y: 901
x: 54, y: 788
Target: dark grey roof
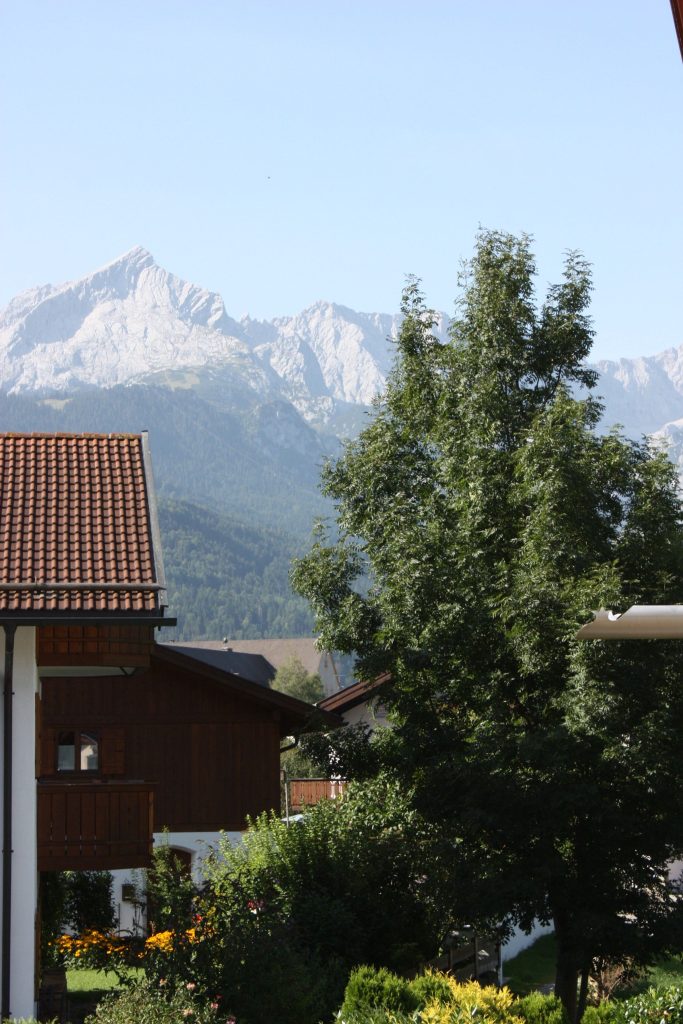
x: 253, y: 667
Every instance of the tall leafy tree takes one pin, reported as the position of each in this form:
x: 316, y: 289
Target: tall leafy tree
x: 489, y: 518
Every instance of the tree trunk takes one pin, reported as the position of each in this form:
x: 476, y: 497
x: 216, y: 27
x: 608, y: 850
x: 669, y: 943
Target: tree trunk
x: 583, y: 991
x: 567, y: 967
x: 566, y: 980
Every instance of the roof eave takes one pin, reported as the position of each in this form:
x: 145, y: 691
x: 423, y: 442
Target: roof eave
x: 299, y: 717
x: 153, y: 512
x: 677, y: 11
x: 640, y: 622
x: 60, y: 618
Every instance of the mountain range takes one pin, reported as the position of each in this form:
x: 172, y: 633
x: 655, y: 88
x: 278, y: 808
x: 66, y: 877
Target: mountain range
x: 241, y: 414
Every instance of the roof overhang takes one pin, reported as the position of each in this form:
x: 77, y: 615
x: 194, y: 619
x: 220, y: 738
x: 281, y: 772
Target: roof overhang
x: 640, y: 622
x: 85, y: 619
x: 296, y: 716
x: 677, y: 10
x: 352, y: 696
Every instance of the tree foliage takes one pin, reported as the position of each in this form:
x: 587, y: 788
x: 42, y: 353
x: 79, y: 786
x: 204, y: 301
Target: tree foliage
x: 491, y: 519
x: 284, y: 916
x: 293, y: 679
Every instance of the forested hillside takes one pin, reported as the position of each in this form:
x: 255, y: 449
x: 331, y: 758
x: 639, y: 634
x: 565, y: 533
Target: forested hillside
x: 226, y: 578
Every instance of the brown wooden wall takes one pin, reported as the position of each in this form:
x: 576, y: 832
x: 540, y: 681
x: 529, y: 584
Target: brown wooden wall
x: 214, y: 754
x: 94, y: 645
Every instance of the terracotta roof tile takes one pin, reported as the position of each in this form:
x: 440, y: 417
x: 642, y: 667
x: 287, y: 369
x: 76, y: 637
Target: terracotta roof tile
x: 75, y: 511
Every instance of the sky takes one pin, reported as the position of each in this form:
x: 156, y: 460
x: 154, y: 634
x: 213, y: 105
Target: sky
x: 286, y: 151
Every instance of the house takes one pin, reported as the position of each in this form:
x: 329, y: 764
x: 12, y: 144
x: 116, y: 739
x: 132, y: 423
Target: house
x: 107, y: 736
x: 359, y: 704
x: 334, y: 669
x: 81, y: 591
x: 200, y: 731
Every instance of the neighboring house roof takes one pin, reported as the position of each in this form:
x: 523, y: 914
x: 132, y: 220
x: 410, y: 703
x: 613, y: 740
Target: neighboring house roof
x: 78, y: 527
x: 277, y: 652
x: 354, y: 695
x: 249, y: 666
x: 296, y: 716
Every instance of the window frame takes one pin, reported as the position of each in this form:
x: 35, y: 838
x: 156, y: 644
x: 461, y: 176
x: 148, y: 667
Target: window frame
x: 80, y: 735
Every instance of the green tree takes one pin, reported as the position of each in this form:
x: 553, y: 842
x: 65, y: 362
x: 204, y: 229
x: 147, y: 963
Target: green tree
x: 88, y: 900
x: 490, y: 519
x: 293, y: 679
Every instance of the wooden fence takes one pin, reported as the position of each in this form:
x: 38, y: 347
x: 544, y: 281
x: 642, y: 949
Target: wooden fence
x: 306, y: 792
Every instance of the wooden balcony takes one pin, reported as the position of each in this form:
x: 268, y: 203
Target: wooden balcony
x: 92, y: 826
x: 306, y: 792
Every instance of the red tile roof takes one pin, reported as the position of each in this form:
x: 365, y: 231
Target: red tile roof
x: 76, y: 525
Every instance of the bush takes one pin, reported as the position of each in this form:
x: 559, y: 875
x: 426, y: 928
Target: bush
x: 536, y: 1008
x: 603, y: 1013
x: 89, y: 901
x: 650, y: 1007
x: 152, y: 1004
x: 369, y: 988
x: 431, y: 987
x: 378, y: 997
x: 284, y: 917
x: 170, y: 890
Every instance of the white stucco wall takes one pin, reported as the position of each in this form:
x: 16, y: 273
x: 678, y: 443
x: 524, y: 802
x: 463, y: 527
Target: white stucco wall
x: 520, y: 940
x: 369, y: 713
x: 199, y: 844
x: 24, y: 838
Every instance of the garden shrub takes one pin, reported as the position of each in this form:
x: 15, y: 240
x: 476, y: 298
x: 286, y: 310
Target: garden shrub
x: 144, y: 1003
x: 284, y: 917
x: 170, y: 891
x: 537, y: 1008
x: 603, y: 1013
x: 98, y: 951
x: 378, y: 997
x: 431, y: 987
x: 650, y: 1007
x: 89, y: 901
x: 370, y: 988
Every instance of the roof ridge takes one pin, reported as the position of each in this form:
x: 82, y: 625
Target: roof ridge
x: 114, y: 435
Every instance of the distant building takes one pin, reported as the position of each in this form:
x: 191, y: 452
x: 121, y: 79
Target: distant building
x: 335, y: 670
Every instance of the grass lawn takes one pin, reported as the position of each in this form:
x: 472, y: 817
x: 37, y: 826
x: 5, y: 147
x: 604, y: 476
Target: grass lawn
x: 90, y: 981
x: 666, y: 973
x: 532, y: 967
x: 535, y: 966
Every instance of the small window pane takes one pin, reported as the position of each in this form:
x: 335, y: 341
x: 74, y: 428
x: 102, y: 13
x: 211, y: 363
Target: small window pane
x: 66, y: 752
x: 90, y: 759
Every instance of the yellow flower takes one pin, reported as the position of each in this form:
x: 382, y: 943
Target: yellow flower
x: 161, y: 941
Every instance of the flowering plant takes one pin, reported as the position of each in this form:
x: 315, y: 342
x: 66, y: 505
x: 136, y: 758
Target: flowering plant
x: 101, y: 951
x: 160, y: 1004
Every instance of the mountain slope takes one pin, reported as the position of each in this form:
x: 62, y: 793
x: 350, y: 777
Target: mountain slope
x: 226, y: 578
x: 259, y: 463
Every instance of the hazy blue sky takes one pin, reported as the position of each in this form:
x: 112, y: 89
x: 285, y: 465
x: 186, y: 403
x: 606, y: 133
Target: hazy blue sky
x: 284, y: 151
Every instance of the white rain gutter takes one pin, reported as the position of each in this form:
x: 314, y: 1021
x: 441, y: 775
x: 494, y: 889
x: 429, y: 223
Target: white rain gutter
x: 641, y: 622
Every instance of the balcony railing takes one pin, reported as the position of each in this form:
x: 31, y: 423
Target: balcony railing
x: 90, y: 826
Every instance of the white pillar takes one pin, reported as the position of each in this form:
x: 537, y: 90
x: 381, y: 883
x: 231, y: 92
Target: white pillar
x: 24, y: 810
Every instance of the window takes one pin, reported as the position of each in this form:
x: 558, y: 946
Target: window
x: 78, y: 751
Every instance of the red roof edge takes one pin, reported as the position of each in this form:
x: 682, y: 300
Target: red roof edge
x: 677, y: 11
x: 352, y: 696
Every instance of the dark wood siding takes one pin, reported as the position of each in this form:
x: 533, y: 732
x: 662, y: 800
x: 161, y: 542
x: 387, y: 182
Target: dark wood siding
x: 213, y: 754
x: 94, y: 645
x: 86, y: 827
